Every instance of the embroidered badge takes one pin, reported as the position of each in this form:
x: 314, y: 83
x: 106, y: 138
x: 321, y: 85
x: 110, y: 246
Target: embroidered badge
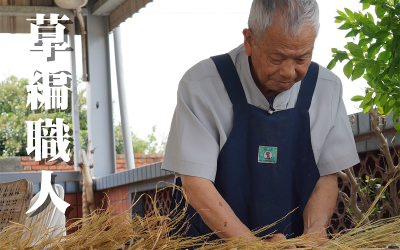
x: 267, y: 154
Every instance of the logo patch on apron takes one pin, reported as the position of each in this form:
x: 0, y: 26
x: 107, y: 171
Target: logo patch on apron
x: 267, y: 154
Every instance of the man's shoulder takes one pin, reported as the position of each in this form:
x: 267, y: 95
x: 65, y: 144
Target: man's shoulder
x: 327, y: 75
x: 200, y: 71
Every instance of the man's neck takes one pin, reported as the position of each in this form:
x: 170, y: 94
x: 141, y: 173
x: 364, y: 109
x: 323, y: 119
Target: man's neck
x: 264, y: 90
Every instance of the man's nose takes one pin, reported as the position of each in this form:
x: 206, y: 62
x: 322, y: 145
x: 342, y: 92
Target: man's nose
x: 288, y: 70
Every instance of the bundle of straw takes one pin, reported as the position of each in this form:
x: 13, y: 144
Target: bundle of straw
x: 102, y: 230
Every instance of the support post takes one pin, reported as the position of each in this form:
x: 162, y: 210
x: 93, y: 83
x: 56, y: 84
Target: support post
x: 74, y: 99
x: 126, y: 133
x: 99, y: 98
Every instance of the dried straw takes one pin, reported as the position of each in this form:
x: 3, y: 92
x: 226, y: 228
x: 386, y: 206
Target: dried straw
x: 103, y: 230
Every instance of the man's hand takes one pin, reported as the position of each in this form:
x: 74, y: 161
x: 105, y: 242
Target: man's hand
x: 212, y: 207
x: 276, y: 238
x: 320, y: 208
x: 318, y: 235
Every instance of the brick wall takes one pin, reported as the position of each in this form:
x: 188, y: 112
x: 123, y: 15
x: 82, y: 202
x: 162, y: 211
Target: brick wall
x: 140, y: 160
x: 118, y: 199
x: 30, y: 165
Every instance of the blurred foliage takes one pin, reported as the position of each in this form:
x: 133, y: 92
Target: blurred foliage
x: 374, y: 54
x: 14, y: 113
x: 140, y: 146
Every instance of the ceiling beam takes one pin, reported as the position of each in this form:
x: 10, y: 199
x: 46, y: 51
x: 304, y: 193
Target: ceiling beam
x: 13, y: 10
x: 105, y: 7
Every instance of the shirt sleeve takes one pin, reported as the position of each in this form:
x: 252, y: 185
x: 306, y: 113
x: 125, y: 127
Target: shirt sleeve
x: 192, y: 147
x: 339, y: 151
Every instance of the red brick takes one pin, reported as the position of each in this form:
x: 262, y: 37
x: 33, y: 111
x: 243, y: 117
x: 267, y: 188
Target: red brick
x: 40, y: 167
x: 62, y: 167
x: 50, y: 163
x: 24, y: 158
x: 79, y: 197
x: 71, y: 199
x: 53, y: 167
x: 79, y: 211
x: 120, y: 160
x: 29, y: 171
x: 124, y: 194
x: 29, y: 163
x: 27, y: 168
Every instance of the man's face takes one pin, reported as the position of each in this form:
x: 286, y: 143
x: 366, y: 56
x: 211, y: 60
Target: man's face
x: 278, y: 60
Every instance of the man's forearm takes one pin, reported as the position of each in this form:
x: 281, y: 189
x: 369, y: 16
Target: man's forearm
x: 321, y: 204
x: 213, y: 209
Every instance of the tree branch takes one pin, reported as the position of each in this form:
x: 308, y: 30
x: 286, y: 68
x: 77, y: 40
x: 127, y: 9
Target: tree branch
x: 392, y: 169
x: 353, y: 196
x: 378, y: 132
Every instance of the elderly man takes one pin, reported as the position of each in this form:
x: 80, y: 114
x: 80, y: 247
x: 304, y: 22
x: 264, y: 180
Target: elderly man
x: 261, y: 131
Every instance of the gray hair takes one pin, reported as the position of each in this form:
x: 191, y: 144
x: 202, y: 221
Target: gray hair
x: 295, y: 14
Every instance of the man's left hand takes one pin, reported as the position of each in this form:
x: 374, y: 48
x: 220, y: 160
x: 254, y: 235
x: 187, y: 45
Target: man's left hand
x: 318, y: 235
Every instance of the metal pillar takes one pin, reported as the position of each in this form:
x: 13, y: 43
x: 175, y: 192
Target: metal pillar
x: 123, y: 107
x: 99, y: 99
x: 74, y: 99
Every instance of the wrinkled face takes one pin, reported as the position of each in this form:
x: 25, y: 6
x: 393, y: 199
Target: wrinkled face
x: 277, y: 60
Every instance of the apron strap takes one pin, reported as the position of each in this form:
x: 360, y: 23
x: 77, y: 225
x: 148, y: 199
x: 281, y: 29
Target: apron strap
x: 307, y: 87
x: 227, y: 70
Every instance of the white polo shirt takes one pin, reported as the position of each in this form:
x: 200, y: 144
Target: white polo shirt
x: 203, y: 119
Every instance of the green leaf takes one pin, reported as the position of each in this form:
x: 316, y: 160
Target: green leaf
x: 384, y: 56
x: 382, y: 34
x: 348, y: 69
x: 397, y: 126
x: 358, y: 72
x: 364, y: 42
x: 376, y: 70
x: 368, y: 98
x: 334, y: 50
x: 339, y: 19
x: 385, y: 21
x: 366, y: 6
x: 332, y: 64
x: 349, y: 13
x: 355, y: 50
x: 342, y: 14
x: 352, y: 33
x: 373, y: 49
x: 342, y: 55
x: 346, y: 26
x: 380, y: 12
x: 370, y: 17
x: 391, y: 102
x: 357, y: 98
x: 394, y: 137
x: 367, y: 31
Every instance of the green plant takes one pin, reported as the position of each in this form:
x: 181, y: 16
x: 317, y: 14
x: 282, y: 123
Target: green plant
x: 373, y: 54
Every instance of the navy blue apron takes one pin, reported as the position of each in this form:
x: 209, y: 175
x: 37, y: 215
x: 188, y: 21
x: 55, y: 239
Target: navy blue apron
x: 266, y: 168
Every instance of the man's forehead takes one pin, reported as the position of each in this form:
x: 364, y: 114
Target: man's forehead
x: 289, y: 52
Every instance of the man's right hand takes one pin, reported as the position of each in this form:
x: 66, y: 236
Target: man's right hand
x: 276, y: 238
x: 212, y: 207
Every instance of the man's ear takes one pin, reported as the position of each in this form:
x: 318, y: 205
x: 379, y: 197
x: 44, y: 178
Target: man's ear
x: 248, y: 41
